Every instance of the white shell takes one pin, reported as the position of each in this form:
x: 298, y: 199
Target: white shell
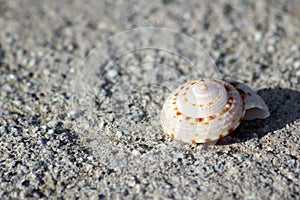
x: 209, y: 109
x: 254, y: 105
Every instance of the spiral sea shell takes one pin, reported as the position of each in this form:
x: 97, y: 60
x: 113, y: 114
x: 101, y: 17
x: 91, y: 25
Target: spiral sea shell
x: 209, y: 109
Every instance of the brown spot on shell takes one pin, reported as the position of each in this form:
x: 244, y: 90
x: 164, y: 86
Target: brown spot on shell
x: 210, y: 103
x: 207, y: 140
x: 242, y: 93
x: 227, y: 88
x: 184, y: 93
x: 221, y: 136
x: 206, y: 122
x: 233, y: 120
x: 234, y: 84
x: 229, y: 104
x: 194, y: 142
x: 223, y: 111
x: 185, y: 99
x: 193, y: 104
x: 240, y: 120
x: 176, y: 94
x: 172, y: 135
x: 193, y: 83
x: 199, y: 119
x: 174, y: 102
x: 227, y: 107
x: 178, y: 113
x: 230, y: 130
x: 187, y: 118
x: 209, y: 118
x: 181, y: 87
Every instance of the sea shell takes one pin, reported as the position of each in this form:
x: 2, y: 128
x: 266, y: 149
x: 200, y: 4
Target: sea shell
x: 209, y: 109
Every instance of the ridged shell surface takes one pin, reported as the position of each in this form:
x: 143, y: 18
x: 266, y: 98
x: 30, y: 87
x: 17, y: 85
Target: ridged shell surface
x: 201, y: 111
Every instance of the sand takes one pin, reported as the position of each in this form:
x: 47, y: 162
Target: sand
x: 83, y: 82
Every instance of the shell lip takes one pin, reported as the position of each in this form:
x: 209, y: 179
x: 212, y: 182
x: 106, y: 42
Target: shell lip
x: 256, y: 113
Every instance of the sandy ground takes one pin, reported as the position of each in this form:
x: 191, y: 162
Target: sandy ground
x: 80, y: 98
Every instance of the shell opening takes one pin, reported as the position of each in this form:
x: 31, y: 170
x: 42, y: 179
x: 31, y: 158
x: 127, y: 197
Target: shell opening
x: 256, y: 113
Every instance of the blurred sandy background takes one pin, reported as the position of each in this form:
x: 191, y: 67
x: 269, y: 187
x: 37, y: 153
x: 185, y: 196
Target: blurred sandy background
x: 76, y: 124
